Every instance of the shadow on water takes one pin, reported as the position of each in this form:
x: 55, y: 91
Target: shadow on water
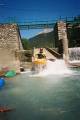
x: 4, y: 116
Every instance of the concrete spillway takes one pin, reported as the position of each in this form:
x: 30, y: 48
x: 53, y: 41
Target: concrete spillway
x: 48, y: 54
x: 53, y: 52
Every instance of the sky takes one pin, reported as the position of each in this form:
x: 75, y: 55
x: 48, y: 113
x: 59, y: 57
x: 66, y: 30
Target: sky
x: 37, y: 10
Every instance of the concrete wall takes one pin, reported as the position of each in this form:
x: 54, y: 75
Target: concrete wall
x: 10, y: 43
x: 62, y: 36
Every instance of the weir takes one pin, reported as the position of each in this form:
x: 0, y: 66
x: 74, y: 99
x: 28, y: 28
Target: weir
x: 10, y: 42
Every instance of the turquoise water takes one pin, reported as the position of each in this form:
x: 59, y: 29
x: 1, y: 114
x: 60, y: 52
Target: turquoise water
x: 50, y: 97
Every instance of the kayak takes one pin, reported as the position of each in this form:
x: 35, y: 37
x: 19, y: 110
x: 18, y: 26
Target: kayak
x: 3, y: 109
x: 39, y: 61
x: 2, y: 82
x: 38, y: 65
x: 10, y: 73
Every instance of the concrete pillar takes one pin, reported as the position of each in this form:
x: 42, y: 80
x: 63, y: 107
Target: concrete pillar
x: 10, y: 43
x: 62, y: 35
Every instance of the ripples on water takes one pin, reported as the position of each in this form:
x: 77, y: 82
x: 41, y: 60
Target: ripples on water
x: 51, y: 95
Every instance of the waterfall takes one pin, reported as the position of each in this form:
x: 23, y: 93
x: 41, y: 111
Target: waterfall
x: 58, y: 67
x: 74, y: 54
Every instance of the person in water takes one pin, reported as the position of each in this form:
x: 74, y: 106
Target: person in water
x: 41, y: 55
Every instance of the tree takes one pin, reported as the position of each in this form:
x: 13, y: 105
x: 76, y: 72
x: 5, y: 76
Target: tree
x: 25, y: 43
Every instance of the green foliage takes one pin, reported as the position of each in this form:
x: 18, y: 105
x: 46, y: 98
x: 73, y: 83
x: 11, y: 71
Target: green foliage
x: 74, y: 33
x: 25, y: 43
x: 77, y: 18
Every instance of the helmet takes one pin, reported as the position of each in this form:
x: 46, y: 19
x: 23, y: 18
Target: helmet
x: 41, y: 50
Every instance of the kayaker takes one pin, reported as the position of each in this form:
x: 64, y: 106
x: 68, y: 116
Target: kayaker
x: 41, y: 55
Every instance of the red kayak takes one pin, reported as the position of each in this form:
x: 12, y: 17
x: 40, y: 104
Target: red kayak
x: 3, y: 109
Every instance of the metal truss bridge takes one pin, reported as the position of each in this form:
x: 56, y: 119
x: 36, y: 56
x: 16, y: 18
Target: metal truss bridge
x: 37, y: 25
x: 40, y: 24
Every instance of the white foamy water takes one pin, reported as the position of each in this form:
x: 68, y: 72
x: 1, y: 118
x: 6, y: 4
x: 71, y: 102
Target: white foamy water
x: 26, y: 71
x: 57, y: 67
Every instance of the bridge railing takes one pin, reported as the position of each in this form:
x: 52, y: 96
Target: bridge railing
x: 39, y: 24
x: 53, y: 52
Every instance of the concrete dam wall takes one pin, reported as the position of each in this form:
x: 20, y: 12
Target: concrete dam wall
x: 10, y: 44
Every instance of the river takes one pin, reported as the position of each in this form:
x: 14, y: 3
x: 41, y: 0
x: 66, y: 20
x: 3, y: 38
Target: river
x: 51, y: 95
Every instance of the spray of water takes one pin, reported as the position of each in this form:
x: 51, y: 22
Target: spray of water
x: 57, y: 67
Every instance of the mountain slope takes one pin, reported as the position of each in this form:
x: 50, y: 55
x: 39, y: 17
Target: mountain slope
x: 42, y: 40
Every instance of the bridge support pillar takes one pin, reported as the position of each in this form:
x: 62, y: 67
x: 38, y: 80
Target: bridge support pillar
x: 62, y: 37
x: 10, y: 43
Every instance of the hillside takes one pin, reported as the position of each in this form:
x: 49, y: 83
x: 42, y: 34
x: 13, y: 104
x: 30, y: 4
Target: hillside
x: 42, y: 40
